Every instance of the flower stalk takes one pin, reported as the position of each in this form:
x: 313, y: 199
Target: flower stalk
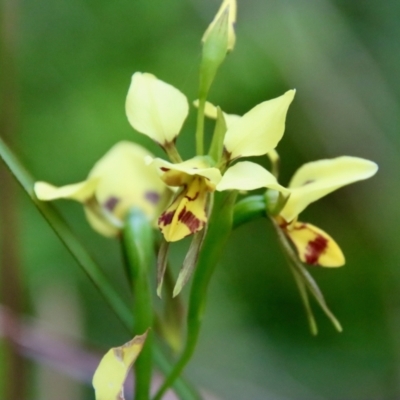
x: 137, y: 242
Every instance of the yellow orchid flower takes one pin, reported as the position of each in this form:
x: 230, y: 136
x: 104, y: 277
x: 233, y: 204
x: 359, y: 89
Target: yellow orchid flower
x: 311, y: 182
x: 111, y: 373
x: 187, y: 213
x: 255, y: 133
x: 119, y: 181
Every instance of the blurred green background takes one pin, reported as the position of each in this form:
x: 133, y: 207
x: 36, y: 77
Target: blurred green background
x: 74, y: 63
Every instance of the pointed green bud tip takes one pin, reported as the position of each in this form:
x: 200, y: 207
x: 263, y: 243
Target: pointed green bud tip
x: 223, y: 24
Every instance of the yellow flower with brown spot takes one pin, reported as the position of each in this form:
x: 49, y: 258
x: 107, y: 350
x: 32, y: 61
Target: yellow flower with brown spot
x: 255, y: 133
x: 311, y: 182
x: 187, y: 213
x: 119, y: 181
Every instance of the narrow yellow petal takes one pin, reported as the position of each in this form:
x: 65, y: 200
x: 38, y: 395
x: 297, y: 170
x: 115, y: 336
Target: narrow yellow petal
x: 314, y: 246
x: 230, y: 7
x: 110, y: 375
x: 187, y: 213
x: 247, y: 175
x: 182, y: 173
x: 317, y: 179
x: 155, y: 108
x: 100, y: 223
x: 260, y: 129
x: 81, y: 191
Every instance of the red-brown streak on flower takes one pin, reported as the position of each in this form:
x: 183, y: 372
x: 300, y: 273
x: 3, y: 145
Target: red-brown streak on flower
x: 166, y: 218
x: 164, y: 169
x: 190, y: 220
x: 193, y: 198
x: 315, y: 248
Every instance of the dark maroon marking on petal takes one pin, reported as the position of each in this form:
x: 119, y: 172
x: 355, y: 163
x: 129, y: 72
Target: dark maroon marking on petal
x: 308, y: 182
x: 192, y: 198
x: 152, y: 197
x: 166, y: 218
x: 315, y: 248
x: 111, y: 203
x: 190, y: 220
x: 164, y: 169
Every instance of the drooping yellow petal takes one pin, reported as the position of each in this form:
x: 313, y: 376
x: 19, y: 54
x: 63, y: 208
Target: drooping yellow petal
x: 230, y: 7
x: 110, y: 375
x: 78, y: 191
x: 155, y: 108
x: 210, y: 111
x: 317, y: 179
x: 187, y: 213
x: 314, y: 246
x: 98, y: 221
x: 260, y: 129
x: 182, y: 173
x: 247, y: 175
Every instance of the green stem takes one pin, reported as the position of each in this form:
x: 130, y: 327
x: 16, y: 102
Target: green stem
x: 85, y: 261
x: 200, y: 126
x: 138, y: 249
x: 11, y: 284
x: 219, y: 229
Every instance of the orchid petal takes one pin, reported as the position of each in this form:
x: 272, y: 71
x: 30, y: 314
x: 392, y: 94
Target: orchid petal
x: 186, y: 215
x: 319, y: 178
x: 126, y: 181
x: 99, y: 222
x: 155, y: 108
x: 81, y: 191
x: 314, y: 246
x: 110, y: 375
x: 246, y: 175
x: 119, y: 181
x: 182, y: 173
x: 260, y: 129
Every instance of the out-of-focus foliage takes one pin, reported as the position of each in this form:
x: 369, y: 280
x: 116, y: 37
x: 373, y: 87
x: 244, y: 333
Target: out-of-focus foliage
x: 75, y: 61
